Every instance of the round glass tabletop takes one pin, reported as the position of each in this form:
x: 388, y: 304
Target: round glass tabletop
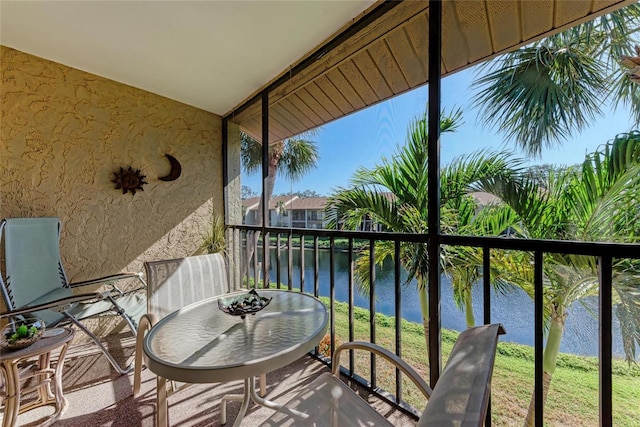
x: 200, y: 343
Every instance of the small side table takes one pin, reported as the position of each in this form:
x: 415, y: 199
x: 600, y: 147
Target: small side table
x: 44, y: 374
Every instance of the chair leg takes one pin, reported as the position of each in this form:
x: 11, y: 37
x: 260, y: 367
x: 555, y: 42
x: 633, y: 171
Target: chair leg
x: 146, y: 322
x: 161, y: 402
x: 104, y: 350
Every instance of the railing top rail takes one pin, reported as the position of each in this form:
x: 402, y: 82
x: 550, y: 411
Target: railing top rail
x: 362, y: 235
x: 614, y: 250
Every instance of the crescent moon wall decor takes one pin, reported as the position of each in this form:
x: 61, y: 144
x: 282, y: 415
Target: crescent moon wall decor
x: 176, y: 169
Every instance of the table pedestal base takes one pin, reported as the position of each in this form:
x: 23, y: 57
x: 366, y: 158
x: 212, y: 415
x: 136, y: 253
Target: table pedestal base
x: 249, y: 394
x: 43, y: 375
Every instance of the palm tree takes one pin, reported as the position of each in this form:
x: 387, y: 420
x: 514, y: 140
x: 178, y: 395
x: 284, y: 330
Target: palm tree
x: 462, y: 264
x: 291, y: 158
x: 548, y: 90
x: 597, y: 201
x: 404, y: 177
x: 539, y: 95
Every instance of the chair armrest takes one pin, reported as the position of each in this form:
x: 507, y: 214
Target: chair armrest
x: 53, y: 304
x: 110, y: 279
x: 385, y: 354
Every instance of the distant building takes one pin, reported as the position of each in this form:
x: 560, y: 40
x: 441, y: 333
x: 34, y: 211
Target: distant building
x: 288, y: 211
x: 485, y: 199
x: 308, y: 212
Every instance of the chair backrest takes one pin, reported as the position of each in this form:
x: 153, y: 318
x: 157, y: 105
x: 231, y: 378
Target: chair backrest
x: 461, y: 395
x: 32, y: 260
x: 175, y: 283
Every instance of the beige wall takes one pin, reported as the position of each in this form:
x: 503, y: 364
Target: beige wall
x: 63, y: 134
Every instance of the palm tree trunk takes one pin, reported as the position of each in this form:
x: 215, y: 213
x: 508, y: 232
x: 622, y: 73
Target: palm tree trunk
x: 531, y: 413
x: 549, y: 360
x: 269, y: 185
x: 468, y: 308
x: 424, y: 310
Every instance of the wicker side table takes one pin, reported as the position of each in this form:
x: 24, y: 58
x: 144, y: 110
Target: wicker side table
x: 43, y: 375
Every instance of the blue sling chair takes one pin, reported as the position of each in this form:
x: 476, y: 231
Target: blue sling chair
x: 34, y: 283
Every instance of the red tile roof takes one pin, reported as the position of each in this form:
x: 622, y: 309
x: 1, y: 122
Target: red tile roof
x: 253, y: 202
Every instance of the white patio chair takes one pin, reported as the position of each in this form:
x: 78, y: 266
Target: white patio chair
x: 35, y: 283
x: 176, y: 283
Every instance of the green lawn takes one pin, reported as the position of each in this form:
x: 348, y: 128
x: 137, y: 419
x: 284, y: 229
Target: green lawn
x: 573, y: 397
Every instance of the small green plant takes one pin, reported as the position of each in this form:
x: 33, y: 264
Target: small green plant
x: 215, y: 241
x: 22, y: 332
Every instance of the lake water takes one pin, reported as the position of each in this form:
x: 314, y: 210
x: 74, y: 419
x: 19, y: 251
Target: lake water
x: 514, y: 310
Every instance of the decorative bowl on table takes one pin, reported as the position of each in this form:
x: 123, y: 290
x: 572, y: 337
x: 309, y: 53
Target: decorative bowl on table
x: 241, y: 305
x: 21, y: 333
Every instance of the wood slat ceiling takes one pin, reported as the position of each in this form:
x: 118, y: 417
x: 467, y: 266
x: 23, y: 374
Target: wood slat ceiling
x: 390, y: 56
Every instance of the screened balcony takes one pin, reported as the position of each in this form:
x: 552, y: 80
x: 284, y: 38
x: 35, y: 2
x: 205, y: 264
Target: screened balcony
x: 365, y: 55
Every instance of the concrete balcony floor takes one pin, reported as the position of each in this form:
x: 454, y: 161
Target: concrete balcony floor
x: 100, y: 397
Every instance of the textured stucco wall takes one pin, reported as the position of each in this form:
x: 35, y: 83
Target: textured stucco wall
x: 63, y: 134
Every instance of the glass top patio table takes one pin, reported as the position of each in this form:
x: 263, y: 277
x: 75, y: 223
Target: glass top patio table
x: 201, y: 344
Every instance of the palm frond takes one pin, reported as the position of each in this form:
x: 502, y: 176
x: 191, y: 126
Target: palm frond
x: 628, y: 313
x: 383, y: 250
x: 347, y: 208
x: 250, y: 153
x: 542, y: 93
x: 294, y: 157
x: 472, y: 171
x: 298, y: 158
x: 625, y: 93
x: 606, y: 193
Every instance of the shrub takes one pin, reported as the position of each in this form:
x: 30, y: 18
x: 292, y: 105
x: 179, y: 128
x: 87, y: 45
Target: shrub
x: 324, y: 347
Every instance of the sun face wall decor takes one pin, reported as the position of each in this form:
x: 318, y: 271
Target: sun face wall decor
x: 129, y: 180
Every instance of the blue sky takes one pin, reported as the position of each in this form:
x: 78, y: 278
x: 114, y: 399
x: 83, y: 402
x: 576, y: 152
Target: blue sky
x: 362, y: 138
